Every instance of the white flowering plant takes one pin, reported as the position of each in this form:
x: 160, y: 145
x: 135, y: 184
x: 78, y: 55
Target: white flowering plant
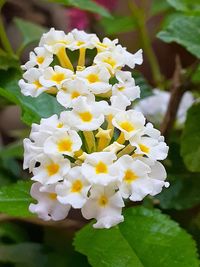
x: 97, y: 153
x: 108, y: 160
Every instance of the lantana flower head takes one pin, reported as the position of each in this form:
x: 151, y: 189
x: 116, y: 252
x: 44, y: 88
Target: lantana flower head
x: 98, y: 152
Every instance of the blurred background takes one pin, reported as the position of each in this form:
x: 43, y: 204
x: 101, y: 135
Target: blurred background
x: 30, y: 241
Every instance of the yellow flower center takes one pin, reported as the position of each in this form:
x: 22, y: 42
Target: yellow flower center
x: 52, y: 168
x: 103, y: 201
x: 101, y: 167
x: 52, y: 196
x: 127, y: 126
x: 76, y: 186
x: 65, y: 145
x: 75, y: 94
x: 93, y: 78
x: 58, y: 77
x: 40, y: 60
x: 37, y: 84
x: 79, y: 43
x: 60, y: 125
x: 144, y: 148
x: 130, y: 176
x: 86, y: 116
x: 110, y: 61
x: 121, y: 88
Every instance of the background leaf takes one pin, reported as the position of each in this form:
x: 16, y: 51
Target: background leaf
x: 183, y: 30
x: 186, y: 5
x: 145, y: 238
x: 31, y: 32
x: 190, y: 141
x: 15, y: 199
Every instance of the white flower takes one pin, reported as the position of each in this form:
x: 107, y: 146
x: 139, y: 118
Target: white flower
x: 41, y: 57
x: 65, y: 143
x: 48, y: 126
x: 153, y: 148
x: 105, y: 45
x: 118, y: 103
x: 111, y: 60
x: 74, y: 189
x: 31, y: 154
x: 133, y: 170
x: 98, y: 168
x: 86, y: 115
x: 126, y: 85
x: 55, y: 76
x: 81, y: 40
x: 129, y: 122
x: 96, y: 78
x: 51, y: 169
x: 130, y: 59
x: 153, y: 183
x: 71, y: 89
x: 54, y: 40
x: 105, y: 205
x: 48, y: 207
x: 32, y: 86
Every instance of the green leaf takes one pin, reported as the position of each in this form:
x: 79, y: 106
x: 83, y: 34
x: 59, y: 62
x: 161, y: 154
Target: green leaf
x: 15, y: 199
x: 33, y: 109
x: 183, y: 30
x: 8, y: 61
x: 183, y: 192
x: 23, y: 255
x: 118, y: 24
x: 190, y: 141
x: 147, y: 238
x: 186, y: 5
x: 159, y: 6
x: 85, y: 5
x: 13, y: 150
x: 31, y: 32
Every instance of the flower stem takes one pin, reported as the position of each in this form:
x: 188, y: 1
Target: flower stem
x: 4, y: 39
x: 139, y: 15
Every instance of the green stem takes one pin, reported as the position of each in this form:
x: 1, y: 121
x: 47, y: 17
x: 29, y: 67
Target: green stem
x: 139, y: 15
x: 4, y: 39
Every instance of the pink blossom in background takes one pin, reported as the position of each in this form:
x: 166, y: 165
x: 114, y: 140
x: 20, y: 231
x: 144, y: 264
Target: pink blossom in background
x: 80, y: 19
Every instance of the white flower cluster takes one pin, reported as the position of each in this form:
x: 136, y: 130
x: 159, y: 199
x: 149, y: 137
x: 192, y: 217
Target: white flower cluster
x: 96, y: 154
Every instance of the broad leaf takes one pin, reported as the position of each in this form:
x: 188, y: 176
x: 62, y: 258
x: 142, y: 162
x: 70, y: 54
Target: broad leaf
x: 183, y: 30
x: 88, y: 5
x: 7, y: 62
x: 186, y: 5
x: 15, y: 199
x: 31, y: 33
x: 147, y: 238
x: 118, y: 24
x: 190, y: 141
x: 159, y: 6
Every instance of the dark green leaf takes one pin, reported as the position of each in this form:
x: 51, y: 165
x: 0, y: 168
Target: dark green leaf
x: 118, y: 24
x: 23, y: 255
x: 15, y: 199
x: 183, y: 192
x: 7, y: 61
x: 13, y: 150
x: 190, y: 141
x: 31, y: 33
x: 147, y: 238
x: 186, y: 5
x: 85, y: 5
x: 183, y: 30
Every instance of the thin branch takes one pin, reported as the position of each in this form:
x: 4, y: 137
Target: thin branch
x: 180, y: 84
